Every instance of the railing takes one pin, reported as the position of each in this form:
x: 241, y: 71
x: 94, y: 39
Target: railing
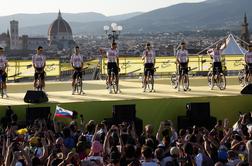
x: 130, y: 66
x: 18, y: 69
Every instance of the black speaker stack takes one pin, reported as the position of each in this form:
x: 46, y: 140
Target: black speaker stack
x: 197, y: 114
x: 125, y: 113
x: 33, y: 96
x: 247, y: 90
x: 33, y: 113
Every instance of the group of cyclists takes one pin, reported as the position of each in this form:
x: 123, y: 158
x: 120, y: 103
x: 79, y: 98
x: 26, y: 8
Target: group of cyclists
x: 182, y: 60
x: 112, y: 55
x: 248, y: 66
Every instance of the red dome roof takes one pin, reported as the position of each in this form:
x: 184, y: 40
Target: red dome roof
x: 59, y: 26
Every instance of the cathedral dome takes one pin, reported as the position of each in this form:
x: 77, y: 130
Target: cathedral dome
x: 60, y: 30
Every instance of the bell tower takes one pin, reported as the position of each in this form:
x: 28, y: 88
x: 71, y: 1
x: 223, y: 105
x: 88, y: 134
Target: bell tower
x: 245, y: 36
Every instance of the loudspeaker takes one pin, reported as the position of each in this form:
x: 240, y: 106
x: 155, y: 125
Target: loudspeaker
x: 207, y: 123
x: 138, y: 124
x: 183, y: 122
x: 32, y: 96
x: 198, y: 111
x: 33, y: 113
x: 247, y: 89
x: 124, y: 112
x: 213, y: 121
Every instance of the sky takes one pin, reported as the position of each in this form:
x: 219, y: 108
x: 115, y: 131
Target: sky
x: 106, y: 7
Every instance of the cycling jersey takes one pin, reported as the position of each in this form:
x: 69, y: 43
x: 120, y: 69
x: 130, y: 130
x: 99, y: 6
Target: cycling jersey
x: 38, y: 61
x: 149, y: 56
x: 3, y: 62
x: 182, y: 56
x: 76, y: 60
x: 216, y: 55
x: 112, y: 55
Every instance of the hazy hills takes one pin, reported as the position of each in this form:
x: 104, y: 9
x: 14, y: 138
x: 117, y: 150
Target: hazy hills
x: 210, y: 14
x: 39, y: 23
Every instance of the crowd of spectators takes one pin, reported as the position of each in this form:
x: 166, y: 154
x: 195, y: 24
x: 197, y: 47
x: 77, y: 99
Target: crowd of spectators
x: 53, y: 143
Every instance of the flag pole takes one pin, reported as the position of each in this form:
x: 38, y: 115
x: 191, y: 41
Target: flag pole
x: 55, y: 111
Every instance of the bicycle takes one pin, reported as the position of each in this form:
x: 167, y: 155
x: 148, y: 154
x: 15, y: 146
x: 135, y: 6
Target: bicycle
x: 38, y: 84
x: 184, y: 79
x: 114, y: 82
x: 149, y: 82
x: 1, y: 85
x: 219, y: 79
x: 242, y: 76
x: 78, y: 85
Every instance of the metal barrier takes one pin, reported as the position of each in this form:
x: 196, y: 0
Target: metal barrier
x: 133, y: 66
x: 129, y: 67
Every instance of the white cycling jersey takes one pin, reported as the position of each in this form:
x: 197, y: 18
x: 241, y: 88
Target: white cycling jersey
x: 76, y: 60
x: 38, y: 60
x: 216, y: 55
x: 112, y: 55
x: 149, y: 56
x: 182, y: 56
x: 3, y: 62
x: 248, y: 57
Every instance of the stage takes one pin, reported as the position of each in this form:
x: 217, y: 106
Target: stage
x: 165, y: 103
x: 60, y: 92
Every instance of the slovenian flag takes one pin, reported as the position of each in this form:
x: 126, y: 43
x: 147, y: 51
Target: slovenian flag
x: 63, y: 113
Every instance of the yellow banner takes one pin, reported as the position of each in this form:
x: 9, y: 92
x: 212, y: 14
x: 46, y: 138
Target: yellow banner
x: 135, y: 65
x: 23, y: 68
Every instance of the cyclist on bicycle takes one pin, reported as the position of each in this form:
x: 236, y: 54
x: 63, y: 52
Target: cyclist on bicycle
x: 182, y: 60
x: 248, y: 61
x: 149, y: 63
x: 39, y: 63
x: 112, y: 63
x: 3, y: 65
x: 215, y: 55
x: 77, y: 64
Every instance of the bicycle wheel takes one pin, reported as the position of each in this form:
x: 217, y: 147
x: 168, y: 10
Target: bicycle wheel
x: 1, y: 88
x: 148, y: 83
x: 241, y: 77
x: 79, y: 86
x: 209, y: 78
x: 113, y: 86
x: 152, y: 84
x: 113, y: 83
x: 249, y: 78
x: 185, y: 82
x: 222, y: 81
x: 38, y: 85
x: 116, y: 88
x: 174, y: 81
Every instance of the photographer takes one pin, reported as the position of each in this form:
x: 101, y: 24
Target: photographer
x: 19, y: 156
x: 148, y: 134
x: 112, y: 139
x: 166, y: 129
